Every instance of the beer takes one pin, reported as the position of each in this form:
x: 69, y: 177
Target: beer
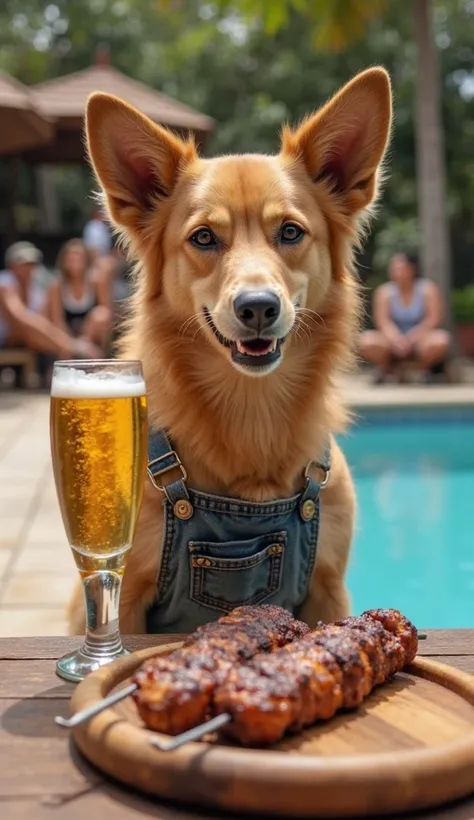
x: 99, y: 451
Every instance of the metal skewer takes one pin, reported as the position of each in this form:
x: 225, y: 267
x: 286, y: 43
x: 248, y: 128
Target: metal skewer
x: 212, y: 725
x: 192, y: 734
x: 96, y: 709
x: 186, y: 737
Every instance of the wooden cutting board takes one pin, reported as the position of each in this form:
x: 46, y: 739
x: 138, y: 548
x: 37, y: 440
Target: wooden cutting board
x: 410, y: 745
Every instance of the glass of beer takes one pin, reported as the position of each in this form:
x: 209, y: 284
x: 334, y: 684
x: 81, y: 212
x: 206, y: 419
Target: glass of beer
x: 98, y: 424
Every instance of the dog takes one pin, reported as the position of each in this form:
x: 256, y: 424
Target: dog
x: 245, y: 311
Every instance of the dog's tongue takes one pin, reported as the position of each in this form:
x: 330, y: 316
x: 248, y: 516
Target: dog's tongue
x: 256, y: 347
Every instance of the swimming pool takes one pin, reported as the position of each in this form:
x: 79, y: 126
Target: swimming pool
x: 414, y: 545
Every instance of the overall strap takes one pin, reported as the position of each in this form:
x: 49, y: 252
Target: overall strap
x: 163, y: 459
x: 313, y: 486
x: 323, y: 464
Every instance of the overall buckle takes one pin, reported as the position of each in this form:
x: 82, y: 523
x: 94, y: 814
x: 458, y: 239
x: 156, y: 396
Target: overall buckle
x: 177, y: 464
x: 323, y: 467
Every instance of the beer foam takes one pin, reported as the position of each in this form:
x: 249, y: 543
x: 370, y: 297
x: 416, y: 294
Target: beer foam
x: 72, y: 383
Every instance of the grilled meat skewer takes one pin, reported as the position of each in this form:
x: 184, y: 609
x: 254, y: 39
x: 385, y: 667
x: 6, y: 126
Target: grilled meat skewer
x: 175, y: 692
x: 333, y: 667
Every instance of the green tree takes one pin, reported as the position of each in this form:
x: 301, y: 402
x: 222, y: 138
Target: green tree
x: 335, y: 24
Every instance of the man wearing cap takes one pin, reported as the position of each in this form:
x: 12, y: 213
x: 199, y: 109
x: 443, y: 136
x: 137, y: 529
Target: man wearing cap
x: 21, y: 321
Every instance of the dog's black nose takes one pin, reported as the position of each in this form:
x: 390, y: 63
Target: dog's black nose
x: 258, y: 309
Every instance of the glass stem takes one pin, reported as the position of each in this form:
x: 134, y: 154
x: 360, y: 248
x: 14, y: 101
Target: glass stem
x: 102, y: 594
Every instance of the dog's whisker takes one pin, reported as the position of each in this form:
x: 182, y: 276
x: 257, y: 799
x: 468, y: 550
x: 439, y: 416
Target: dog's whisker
x: 308, y: 312
x: 305, y: 328
x: 302, y: 329
x: 187, y: 324
x: 298, y: 331
x: 316, y: 319
x: 181, y: 340
x: 312, y: 315
x: 305, y: 324
x: 301, y: 333
x: 200, y: 327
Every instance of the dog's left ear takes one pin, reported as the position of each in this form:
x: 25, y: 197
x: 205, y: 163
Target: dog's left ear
x: 343, y: 144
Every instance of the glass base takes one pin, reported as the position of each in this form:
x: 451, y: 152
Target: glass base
x: 77, y: 665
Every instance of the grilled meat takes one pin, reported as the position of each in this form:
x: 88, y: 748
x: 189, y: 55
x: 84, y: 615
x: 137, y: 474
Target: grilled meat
x: 332, y: 667
x: 383, y: 648
x: 396, y: 623
x: 175, y: 692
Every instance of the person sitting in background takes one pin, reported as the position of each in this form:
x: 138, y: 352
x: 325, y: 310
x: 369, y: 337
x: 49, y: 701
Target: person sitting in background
x: 97, y: 237
x: 407, y: 316
x: 22, y: 323
x: 78, y: 302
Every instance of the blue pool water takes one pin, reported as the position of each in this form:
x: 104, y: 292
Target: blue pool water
x: 414, y: 546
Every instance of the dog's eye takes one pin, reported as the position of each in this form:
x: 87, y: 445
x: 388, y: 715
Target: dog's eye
x: 290, y: 233
x: 203, y: 238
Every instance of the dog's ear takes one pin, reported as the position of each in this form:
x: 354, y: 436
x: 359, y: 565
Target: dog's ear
x: 136, y: 162
x: 343, y: 144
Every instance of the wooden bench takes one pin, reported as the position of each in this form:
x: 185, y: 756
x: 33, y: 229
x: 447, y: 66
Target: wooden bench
x: 19, y: 357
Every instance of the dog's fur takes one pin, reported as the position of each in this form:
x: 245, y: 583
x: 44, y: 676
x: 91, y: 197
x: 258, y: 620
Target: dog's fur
x: 237, y: 435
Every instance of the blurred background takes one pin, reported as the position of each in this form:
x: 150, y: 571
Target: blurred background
x: 250, y: 65
x: 233, y: 72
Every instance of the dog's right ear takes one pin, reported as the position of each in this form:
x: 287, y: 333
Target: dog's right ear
x: 136, y: 162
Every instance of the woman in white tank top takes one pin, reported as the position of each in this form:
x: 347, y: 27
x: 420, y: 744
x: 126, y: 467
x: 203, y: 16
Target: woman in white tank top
x: 79, y: 301
x: 407, y: 317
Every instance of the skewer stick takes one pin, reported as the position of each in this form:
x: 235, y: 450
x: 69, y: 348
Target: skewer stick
x: 96, y: 709
x: 212, y: 725
x: 192, y: 734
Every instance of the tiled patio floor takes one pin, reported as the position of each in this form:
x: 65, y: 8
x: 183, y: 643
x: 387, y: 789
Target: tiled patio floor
x: 37, y: 571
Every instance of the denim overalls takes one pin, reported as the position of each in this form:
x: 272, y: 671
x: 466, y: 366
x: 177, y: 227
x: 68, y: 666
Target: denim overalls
x: 219, y: 553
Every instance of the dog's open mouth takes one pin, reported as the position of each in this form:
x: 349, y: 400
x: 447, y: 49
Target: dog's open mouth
x: 254, y: 353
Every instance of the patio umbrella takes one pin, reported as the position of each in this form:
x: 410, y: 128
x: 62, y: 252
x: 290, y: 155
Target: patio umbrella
x: 21, y: 124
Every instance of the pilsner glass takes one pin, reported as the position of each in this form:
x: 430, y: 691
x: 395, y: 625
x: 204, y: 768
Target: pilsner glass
x: 98, y: 424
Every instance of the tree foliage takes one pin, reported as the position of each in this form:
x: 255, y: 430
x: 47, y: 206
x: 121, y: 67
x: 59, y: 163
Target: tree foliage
x: 254, y: 73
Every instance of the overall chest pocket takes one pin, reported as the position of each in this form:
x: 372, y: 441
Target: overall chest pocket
x: 232, y: 573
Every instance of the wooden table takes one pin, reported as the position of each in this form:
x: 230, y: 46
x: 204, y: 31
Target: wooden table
x: 43, y: 777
